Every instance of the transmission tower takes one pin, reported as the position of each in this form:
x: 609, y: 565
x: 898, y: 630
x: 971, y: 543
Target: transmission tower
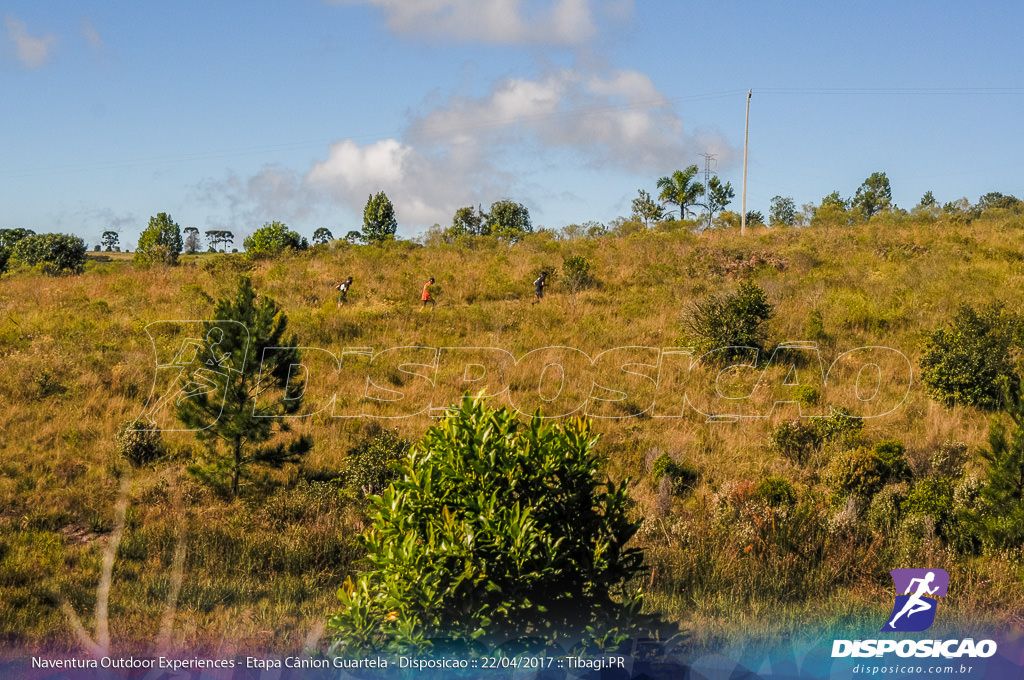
x: 709, y: 158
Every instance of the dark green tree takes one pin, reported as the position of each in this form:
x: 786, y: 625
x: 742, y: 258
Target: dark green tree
x: 109, y: 240
x: 969, y: 361
x: 8, y: 237
x: 718, y: 197
x: 873, y: 196
x: 646, y: 210
x: 680, y: 190
x: 249, y: 407
x: 928, y: 200
x: 379, y: 223
x: 996, y: 200
x: 56, y: 254
x: 1002, y: 513
x: 468, y: 221
x: 834, y: 200
x: 508, y: 220
x: 782, y: 211
x: 160, y: 243
x: 733, y: 320
x: 754, y: 217
x: 273, y: 238
x: 322, y: 235
x: 496, y: 530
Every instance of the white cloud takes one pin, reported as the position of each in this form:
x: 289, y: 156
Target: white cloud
x: 505, y: 22
x: 30, y: 51
x: 91, y: 35
x: 461, y: 152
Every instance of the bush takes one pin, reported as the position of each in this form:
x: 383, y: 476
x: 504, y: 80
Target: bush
x: 496, y: 529
x: 863, y: 472
x: 272, y: 239
x: 56, y: 253
x: 682, y: 476
x: 893, y: 453
x: 160, y: 243
x: 776, y: 492
x: 970, y: 361
x: 932, y: 497
x: 886, y: 510
x: 794, y: 441
x: 576, y: 274
x: 138, y: 444
x: 370, y: 464
x: 841, y: 429
x: 735, y: 320
x: 806, y: 395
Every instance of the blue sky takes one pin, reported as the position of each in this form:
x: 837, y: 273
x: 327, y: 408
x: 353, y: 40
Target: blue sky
x: 230, y: 114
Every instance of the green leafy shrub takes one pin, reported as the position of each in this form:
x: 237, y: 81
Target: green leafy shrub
x: 734, y: 320
x: 138, y: 444
x: 496, y: 529
x: 893, y: 455
x: 776, y: 492
x: 841, y: 429
x: 969, y: 361
x: 932, y: 497
x: 682, y: 476
x: 370, y: 464
x: 56, y: 254
x: 273, y: 238
x: 576, y: 273
x: 886, y: 510
x: 794, y: 441
x: 160, y: 243
x: 862, y: 472
x: 8, y: 237
x: 806, y: 395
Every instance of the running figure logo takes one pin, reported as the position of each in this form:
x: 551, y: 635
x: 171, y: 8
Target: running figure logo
x: 917, y: 596
x: 191, y: 361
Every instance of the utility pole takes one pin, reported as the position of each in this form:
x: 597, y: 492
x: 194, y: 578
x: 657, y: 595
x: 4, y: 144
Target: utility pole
x: 746, y: 138
x: 708, y: 157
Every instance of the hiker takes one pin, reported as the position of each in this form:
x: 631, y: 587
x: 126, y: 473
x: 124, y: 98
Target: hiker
x: 538, y: 286
x: 425, y: 298
x: 343, y: 287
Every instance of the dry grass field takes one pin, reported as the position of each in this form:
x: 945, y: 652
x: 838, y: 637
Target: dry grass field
x: 260, y: 571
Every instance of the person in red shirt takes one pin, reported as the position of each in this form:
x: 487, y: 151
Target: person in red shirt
x: 425, y: 298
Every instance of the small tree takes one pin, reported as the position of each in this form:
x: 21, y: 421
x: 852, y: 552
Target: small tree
x: 379, y: 221
x: 160, y: 243
x: 109, y: 240
x: 718, y: 197
x: 782, y: 211
x: 322, y: 235
x: 873, y: 196
x: 734, y: 320
x: 1002, y: 514
x: 646, y: 210
x: 576, y: 276
x: 192, y: 244
x: 468, y: 221
x: 755, y: 217
x: 56, y: 254
x: 497, y: 530
x: 242, y: 412
x: 8, y: 237
x: 969, y: 361
x: 679, y: 189
x: 508, y: 220
x: 273, y: 238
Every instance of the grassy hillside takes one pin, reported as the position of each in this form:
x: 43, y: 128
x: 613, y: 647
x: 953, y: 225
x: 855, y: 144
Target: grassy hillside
x: 260, y: 571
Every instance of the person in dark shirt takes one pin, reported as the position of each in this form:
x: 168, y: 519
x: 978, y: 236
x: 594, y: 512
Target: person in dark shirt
x: 538, y: 286
x: 343, y: 287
